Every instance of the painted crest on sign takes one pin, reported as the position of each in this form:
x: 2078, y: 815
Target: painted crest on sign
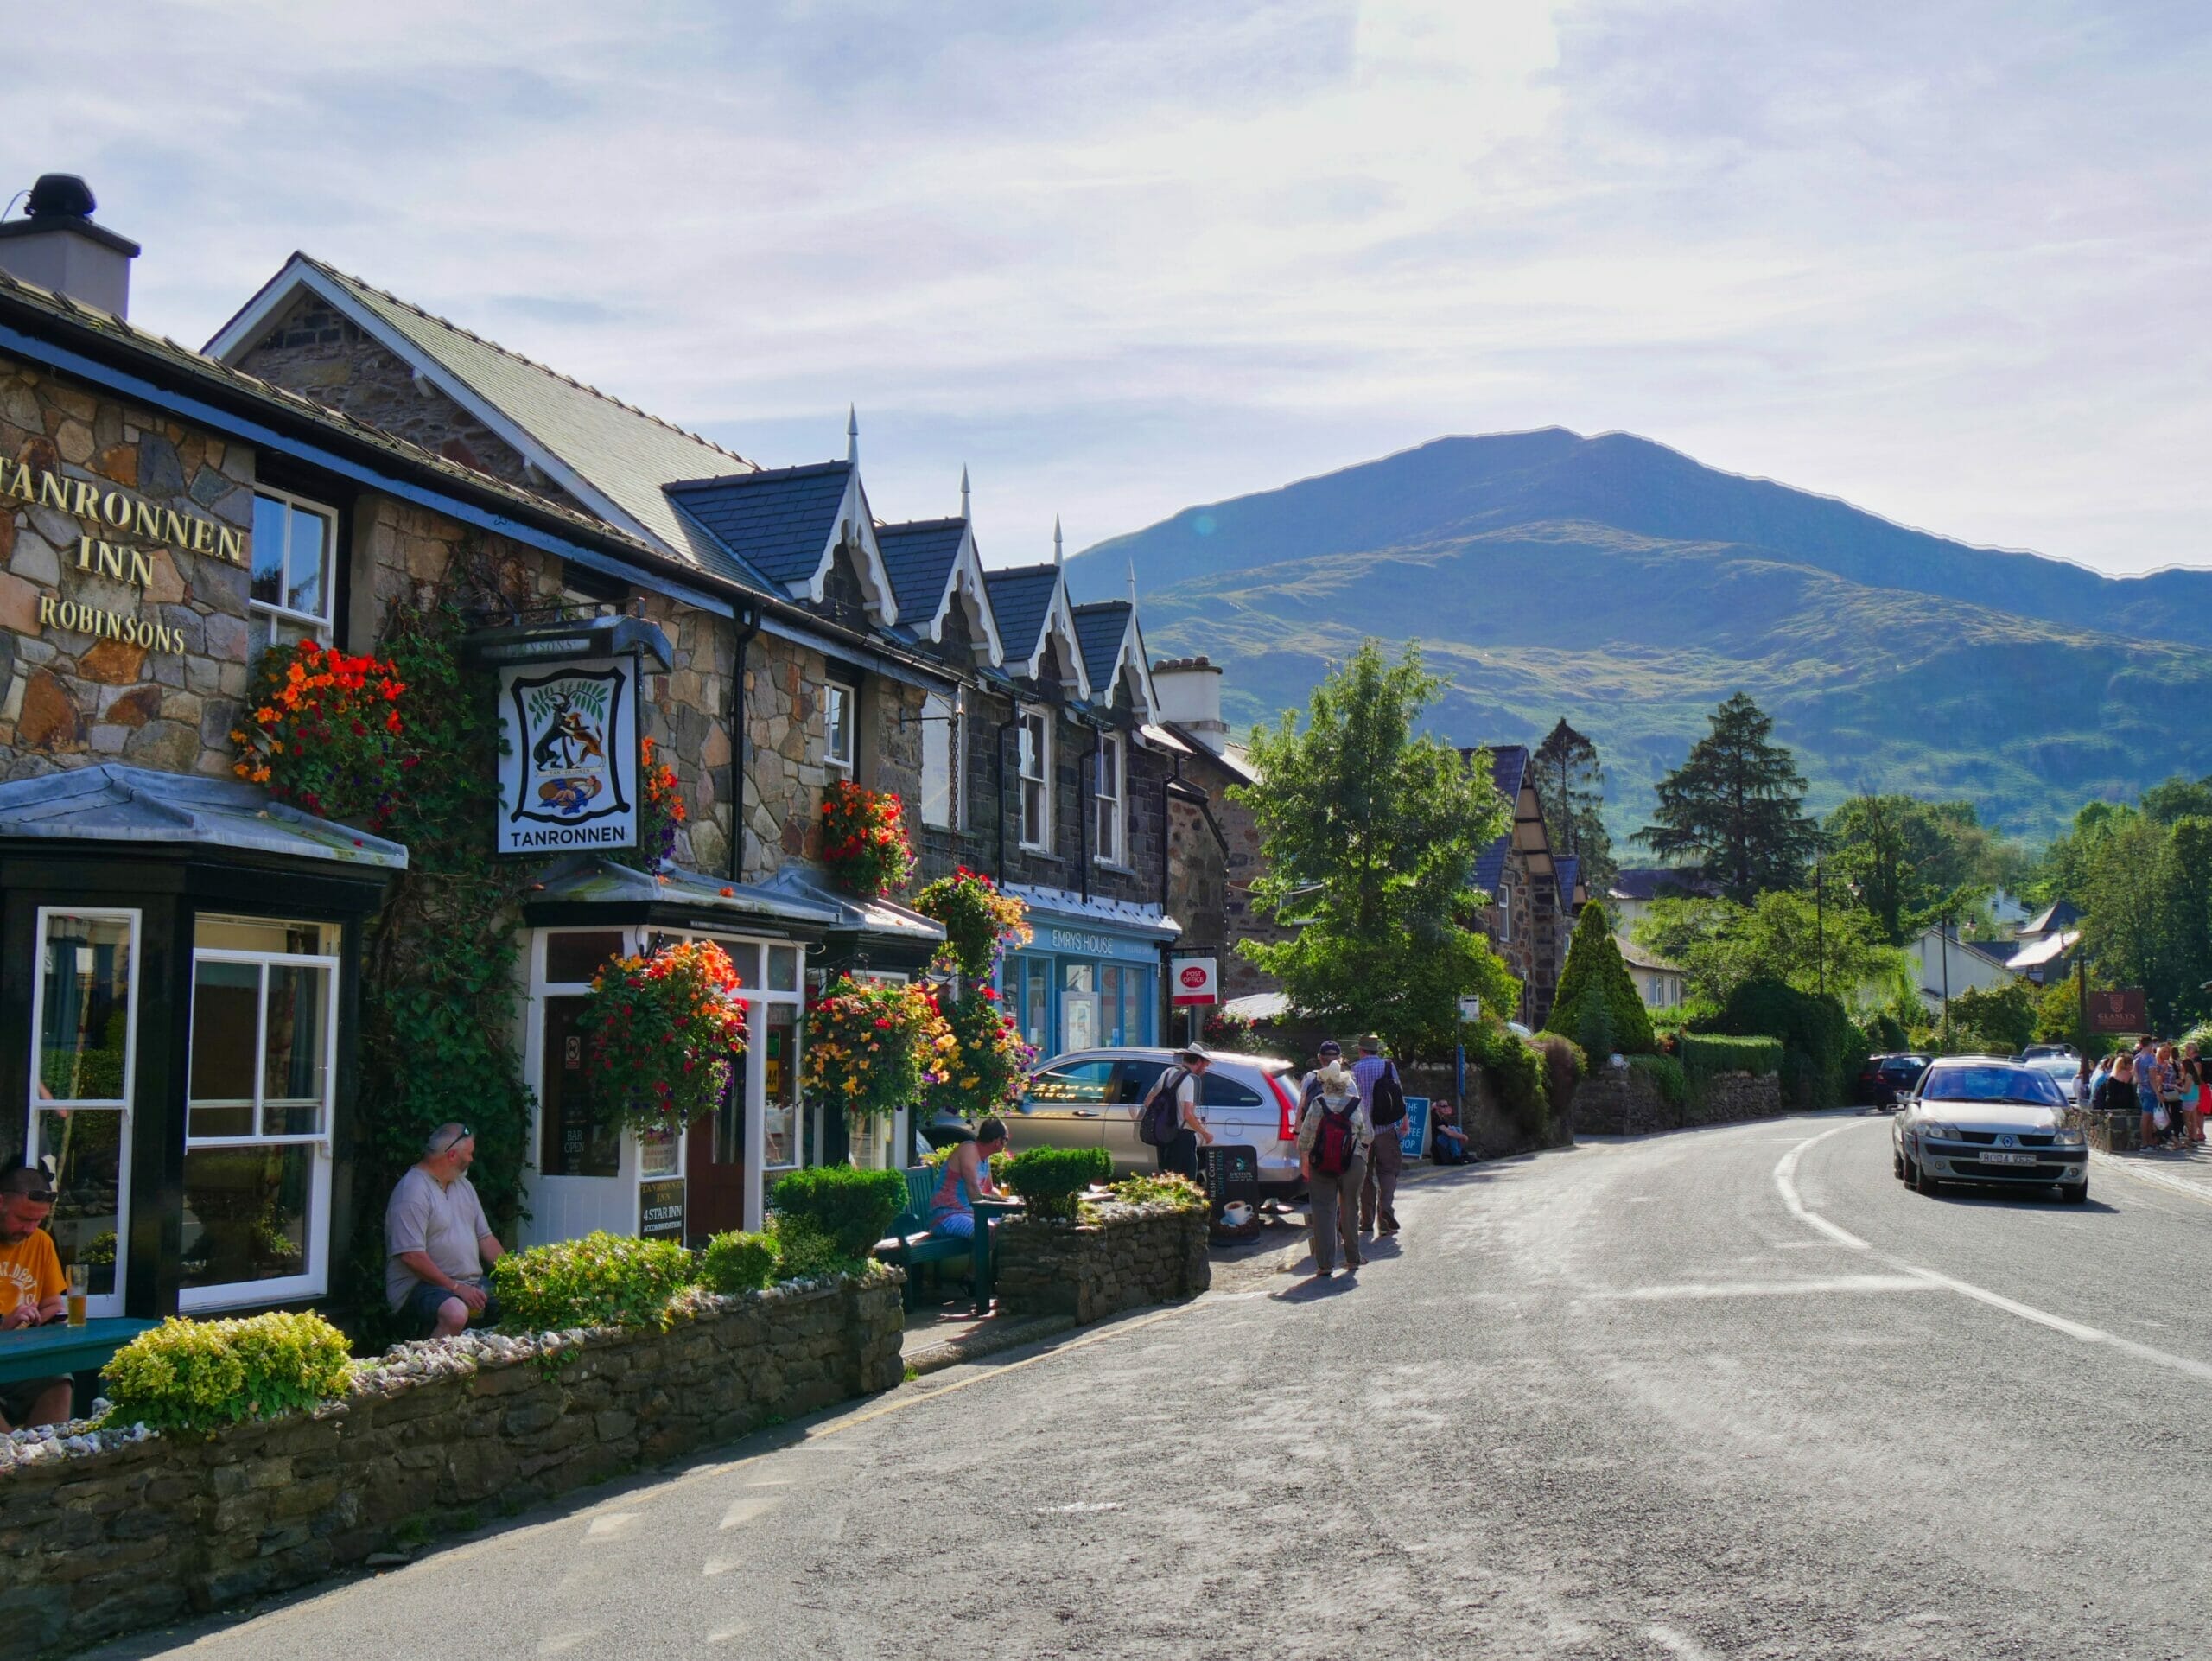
x: 566, y: 777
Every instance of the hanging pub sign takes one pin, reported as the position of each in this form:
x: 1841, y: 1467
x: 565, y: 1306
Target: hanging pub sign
x: 568, y: 758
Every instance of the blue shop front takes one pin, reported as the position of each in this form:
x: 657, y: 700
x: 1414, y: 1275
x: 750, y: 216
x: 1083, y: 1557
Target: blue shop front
x: 1090, y: 975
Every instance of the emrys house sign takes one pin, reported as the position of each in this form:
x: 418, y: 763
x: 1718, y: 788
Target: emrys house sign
x: 568, y: 766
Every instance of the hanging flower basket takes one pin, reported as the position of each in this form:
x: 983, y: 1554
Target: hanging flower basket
x: 980, y: 922
x: 872, y: 1048
x: 660, y: 808
x: 663, y: 1035
x: 324, y: 731
x: 986, y: 1070
x: 864, y: 839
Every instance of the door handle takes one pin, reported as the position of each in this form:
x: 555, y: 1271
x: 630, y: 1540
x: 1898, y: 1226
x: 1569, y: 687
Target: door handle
x: 1085, y: 1113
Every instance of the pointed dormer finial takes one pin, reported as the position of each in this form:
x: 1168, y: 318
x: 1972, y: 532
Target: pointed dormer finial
x: 1133, y: 583
x: 852, y: 434
x: 1059, y: 555
x: 964, y: 491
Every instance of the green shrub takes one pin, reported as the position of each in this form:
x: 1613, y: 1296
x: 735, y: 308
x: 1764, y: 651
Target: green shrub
x: 1516, y: 1071
x: 1666, y: 1074
x: 803, y: 1252
x: 2002, y: 1017
x: 735, y: 1262
x: 1049, y: 1180
x: 1817, y: 1037
x: 1596, y: 1003
x: 602, y: 1280
x: 1705, y: 1056
x: 1148, y: 1189
x: 852, y: 1207
x: 199, y: 1375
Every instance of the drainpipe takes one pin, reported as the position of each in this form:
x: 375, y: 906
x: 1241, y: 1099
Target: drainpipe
x: 1082, y: 819
x: 1166, y: 1010
x: 747, y: 623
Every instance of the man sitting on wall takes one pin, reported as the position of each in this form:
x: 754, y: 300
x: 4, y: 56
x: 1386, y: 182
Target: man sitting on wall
x: 31, y: 1287
x: 438, y: 1243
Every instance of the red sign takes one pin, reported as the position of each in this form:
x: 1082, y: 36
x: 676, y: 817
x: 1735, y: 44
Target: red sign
x: 1195, y: 980
x: 2117, y: 1012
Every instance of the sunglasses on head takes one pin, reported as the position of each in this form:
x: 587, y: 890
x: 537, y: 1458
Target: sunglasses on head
x: 447, y: 1144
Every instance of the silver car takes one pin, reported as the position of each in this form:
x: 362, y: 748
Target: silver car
x: 1090, y: 1098
x: 1987, y: 1120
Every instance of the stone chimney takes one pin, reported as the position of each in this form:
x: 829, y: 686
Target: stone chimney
x: 59, y: 247
x: 1190, y: 695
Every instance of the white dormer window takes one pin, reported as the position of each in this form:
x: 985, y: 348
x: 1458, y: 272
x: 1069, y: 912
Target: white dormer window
x: 1106, y: 792
x: 837, y: 700
x: 1035, y: 767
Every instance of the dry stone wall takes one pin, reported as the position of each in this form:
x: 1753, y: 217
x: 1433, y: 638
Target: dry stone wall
x: 1130, y: 1257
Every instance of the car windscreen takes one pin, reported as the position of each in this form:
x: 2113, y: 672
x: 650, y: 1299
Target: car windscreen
x: 1990, y: 1083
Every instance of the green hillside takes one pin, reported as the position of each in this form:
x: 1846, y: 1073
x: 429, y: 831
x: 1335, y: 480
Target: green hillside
x: 1936, y: 690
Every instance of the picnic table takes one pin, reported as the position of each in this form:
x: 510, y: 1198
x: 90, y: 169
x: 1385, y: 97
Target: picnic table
x: 50, y: 1351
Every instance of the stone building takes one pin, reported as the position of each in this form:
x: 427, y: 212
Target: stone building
x: 1221, y: 843
x: 1526, y: 919
x: 166, y: 515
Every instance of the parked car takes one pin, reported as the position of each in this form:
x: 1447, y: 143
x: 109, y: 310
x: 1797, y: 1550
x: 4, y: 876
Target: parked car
x: 1885, y: 1080
x: 2065, y: 1070
x: 1090, y: 1098
x: 2048, y: 1052
x: 1987, y: 1119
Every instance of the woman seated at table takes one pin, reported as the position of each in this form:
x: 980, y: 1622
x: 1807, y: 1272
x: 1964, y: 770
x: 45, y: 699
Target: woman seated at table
x: 967, y: 1178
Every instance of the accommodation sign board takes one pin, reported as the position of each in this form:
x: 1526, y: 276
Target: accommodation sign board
x: 568, y: 760
x: 2117, y: 1012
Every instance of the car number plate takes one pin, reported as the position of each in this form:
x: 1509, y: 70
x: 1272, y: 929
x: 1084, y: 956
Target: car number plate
x: 2008, y: 1159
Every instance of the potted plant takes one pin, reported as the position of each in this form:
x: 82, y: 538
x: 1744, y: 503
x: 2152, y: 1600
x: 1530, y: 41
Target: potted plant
x: 663, y: 1034
x: 864, y: 839
x: 873, y: 1047
x: 323, y: 730
x: 984, y: 1072
x: 981, y: 921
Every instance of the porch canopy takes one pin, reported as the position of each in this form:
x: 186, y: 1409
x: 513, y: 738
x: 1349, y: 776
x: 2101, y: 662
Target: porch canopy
x: 113, y: 803
x: 586, y: 888
x: 878, y: 934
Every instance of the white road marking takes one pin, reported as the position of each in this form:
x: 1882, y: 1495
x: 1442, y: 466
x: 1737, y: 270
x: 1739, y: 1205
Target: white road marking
x: 1679, y: 1644
x: 1079, y: 1508
x: 742, y: 1512
x: 1785, y: 1181
x: 612, y: 1523
x: 1772, y: 1288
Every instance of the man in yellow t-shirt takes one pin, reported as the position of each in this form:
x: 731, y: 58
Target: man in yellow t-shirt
x: 31, y: 1289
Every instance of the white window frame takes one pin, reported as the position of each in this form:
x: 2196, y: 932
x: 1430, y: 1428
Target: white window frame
x: 838, y: 699
x: 1107, y: 809
x: 1037, y: 838
x: 110, y: 1303
x: 1504, y: 911
x: 938, y: 712
x: 314, y: 1280
x: 282, y: 617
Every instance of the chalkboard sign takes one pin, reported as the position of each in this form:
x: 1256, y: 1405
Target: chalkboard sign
x: 1232, y: 1174
x: 660, y: 1209
x: 1415, y: 1141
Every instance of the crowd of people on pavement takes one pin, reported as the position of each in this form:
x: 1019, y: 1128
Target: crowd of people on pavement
x: 2165, y: 1083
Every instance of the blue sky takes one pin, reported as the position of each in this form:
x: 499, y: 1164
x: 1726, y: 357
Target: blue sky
x: 1952, y: 261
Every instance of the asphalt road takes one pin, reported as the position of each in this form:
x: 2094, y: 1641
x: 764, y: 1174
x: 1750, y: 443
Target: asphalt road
x: 1730, y: 1392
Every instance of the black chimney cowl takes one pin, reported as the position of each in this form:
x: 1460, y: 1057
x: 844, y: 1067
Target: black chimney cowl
x: 60, y: 196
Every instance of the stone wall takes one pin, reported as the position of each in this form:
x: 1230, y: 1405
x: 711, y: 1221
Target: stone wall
x: 94, y: 1543
x: 1493, y: 1131
x: 1131, y: 1256
x: 2109, y: 1133
x: 1623, y: 1102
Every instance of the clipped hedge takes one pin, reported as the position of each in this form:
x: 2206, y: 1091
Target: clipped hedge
x: 197, y: 1375
x: 1666, y: 1075
x: 1049, y: 1180
x: 1817, y: 1037
x: 735, y: 1263
x: 1707, y: 1055
x: 851, y: 1208
x: 602, y: 1280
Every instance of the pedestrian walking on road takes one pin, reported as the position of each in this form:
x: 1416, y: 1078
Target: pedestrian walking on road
x: 1178, y: 1152
x: 2194, y: 1092
x: 1328, y: 1055
x: 1334, y: 1137
x: 1384, y: 1095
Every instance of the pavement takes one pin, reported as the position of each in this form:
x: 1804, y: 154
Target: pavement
x: 1726, y: 1392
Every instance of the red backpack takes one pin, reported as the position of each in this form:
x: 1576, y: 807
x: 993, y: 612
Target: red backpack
x: 1337, y: 1143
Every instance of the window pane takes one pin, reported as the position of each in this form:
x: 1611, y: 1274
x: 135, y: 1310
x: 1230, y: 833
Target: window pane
x: 226, y: 1015
x: 80, y: 1149
x: 294, y: 1079
x: 1079, y: 1005
x: 837, y: 722
x: 245, y: 1213
x: 574, y: 1140
x: 744, y: 958
x: 573, y: 959
x: 272, y: 935
x: 1215, y: 1091
x: 936, y: 760
x: 780, y: 1134
x: 1109, y: 1004
x: 783, y: 969
x: 266, y: 582
x: 1033, y: 811
x: 1136, y: 1080
x: 85, y: 1009
x: 1085, y: 1084
x: 1036, y: 1004
x: 1136, y: 1006
x: 304, y: 562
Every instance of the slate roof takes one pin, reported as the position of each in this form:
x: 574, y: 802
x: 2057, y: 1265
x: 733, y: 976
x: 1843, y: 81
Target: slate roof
x: 919, y: 555
x: 118, y: 804
x: 1100, y: 628
x: 1508, y: 766
x: 1021, y: 599
x: 776, y: 520
x: 624, y: 453
x: 593, y: 879
x: 2055, y: 915
x: 1565, y: 869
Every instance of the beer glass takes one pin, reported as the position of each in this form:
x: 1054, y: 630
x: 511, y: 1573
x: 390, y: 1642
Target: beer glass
x: 80, y: 1281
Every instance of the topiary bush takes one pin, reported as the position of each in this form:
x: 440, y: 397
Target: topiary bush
x: 735, y: 1263
x: 197, y: 1375
x: 1051, y: 1179
x: 602, y: 1280
x: 1705, y: 1056
x: 1596, y: 1003
x: 851, y: 1208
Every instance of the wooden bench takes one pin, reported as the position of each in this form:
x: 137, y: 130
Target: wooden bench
x: 910, y: 1244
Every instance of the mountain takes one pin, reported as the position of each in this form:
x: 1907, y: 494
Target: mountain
x: 1629, y: 588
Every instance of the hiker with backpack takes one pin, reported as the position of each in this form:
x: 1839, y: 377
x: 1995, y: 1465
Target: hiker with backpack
x: 1168, y: 1120
x: 1333, y: 1136
x: 1384, y: 1095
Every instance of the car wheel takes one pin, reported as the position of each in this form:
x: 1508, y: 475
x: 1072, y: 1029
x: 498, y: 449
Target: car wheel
x: 1922, y: 1182
x: 2076, y: 1196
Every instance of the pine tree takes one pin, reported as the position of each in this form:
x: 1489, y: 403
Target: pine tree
x: 1596, y: 1002
x: 1572, y: 782
x: 1736, y: 805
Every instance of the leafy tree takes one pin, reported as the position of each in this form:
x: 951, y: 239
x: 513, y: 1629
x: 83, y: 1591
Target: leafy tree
x: 1720, y: 945
x: 2147, y: 891
x: 1375, y: 831
x: 1597, y: 1005
x: 1911, y: 863
x: 2063, y: 871
x: 1736, y: 805
x: 1571, y: 781
x: 2005, y: 1015
x: 2178, y: 798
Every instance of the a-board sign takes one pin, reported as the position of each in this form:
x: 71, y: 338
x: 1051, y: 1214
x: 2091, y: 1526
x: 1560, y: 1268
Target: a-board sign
x: 1415, y: 1139
x: 1231, y: 1173
x: 660, y: 1209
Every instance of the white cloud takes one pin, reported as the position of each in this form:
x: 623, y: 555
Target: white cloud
x: 1947, y: 260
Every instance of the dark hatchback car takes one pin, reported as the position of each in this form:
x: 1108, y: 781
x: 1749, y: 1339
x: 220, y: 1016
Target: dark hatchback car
x: 1885, y: 1080
x: 1989, y: 1121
